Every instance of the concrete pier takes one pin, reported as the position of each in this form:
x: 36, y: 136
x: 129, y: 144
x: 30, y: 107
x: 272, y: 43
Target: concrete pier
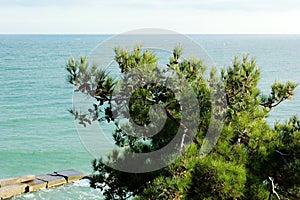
x: 35, y: 185
x: 20, y: 179
x: 70, y: 175
x: 11, y: 187
x: 51, y: 180
x: 12, y: 190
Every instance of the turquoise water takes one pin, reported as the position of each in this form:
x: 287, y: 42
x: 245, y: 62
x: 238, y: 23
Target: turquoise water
x: 37, y: 134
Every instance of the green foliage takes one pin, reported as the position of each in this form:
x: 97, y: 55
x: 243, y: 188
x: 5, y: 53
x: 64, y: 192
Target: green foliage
x: 121, y: 185
x: 248, y: 152
x: 280, y: 92
x: 219, y: 179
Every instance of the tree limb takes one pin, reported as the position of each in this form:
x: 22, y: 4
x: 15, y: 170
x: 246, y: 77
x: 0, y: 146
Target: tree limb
x: 272, y: 189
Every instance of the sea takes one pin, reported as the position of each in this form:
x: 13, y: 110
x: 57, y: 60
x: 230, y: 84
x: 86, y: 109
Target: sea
x: 38, y: 134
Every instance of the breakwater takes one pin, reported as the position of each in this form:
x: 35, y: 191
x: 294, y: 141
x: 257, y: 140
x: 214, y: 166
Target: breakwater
x: 11, y: 187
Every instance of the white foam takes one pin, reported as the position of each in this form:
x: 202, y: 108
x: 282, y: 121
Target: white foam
x: 82, y: 183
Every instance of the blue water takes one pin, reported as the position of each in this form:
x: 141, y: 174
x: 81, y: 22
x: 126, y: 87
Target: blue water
x: 37, y: 134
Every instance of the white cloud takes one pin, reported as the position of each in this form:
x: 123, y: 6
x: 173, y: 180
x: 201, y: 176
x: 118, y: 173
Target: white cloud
x: 224, y: 5
x: 219, y: 5
x: 116, y: 16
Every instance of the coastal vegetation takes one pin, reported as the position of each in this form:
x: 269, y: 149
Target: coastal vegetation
x: 250, y: 160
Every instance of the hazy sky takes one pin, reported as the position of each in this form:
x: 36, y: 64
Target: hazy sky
x: 117, y: 16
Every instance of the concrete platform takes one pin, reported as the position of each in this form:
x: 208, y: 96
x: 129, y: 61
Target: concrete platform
x: 52, y: 180
x: 35, y: 185
x: 10, y: 187
x: 70, y: 175
x: 12, y: 190
x: 15, y: 180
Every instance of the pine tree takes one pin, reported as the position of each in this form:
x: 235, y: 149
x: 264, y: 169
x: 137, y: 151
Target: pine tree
x: 251, y: 159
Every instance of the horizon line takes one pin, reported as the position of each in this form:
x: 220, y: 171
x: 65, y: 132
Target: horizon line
x: 150, y: 33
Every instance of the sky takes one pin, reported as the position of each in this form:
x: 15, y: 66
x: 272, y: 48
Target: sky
x: 117, y: 16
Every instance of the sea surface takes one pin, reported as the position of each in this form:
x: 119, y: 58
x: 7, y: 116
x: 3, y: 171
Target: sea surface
x: 37, y: 133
